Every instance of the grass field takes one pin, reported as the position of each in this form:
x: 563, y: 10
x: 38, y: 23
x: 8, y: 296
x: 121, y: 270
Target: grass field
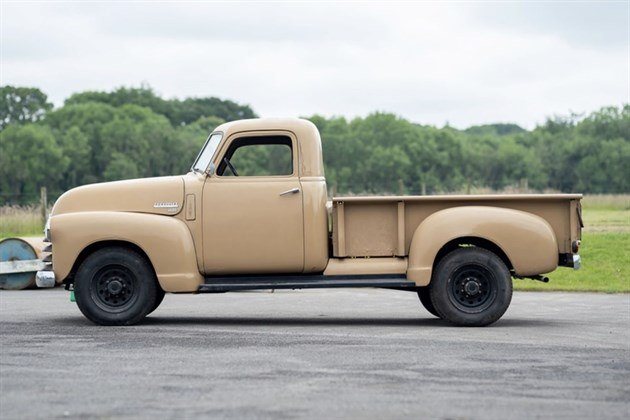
x: 605, y: 260
x: 605, y: 245
x: 20, y: 221
x: 605, y: 250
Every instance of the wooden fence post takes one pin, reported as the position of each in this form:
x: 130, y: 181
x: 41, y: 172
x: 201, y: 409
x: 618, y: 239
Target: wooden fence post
x: 43, y: 203
x: 524, y: 185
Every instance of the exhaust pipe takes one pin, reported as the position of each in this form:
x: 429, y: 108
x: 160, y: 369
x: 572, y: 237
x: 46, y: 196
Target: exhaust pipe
x: 537, y: 277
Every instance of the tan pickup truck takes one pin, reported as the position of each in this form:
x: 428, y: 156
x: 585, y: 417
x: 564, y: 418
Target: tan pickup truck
x: 121, y: 245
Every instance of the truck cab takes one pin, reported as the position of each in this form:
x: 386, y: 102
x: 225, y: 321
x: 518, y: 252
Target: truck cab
x: 263, y: 198
x: 253, y: 213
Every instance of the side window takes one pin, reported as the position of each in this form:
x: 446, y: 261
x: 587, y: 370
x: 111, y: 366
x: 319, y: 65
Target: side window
x: 258, y: 156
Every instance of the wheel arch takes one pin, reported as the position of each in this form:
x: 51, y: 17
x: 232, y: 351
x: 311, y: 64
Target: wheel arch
x: 165, y: 241
x: 524, y: 241
x: 474, y: 241
x: 96, y: 246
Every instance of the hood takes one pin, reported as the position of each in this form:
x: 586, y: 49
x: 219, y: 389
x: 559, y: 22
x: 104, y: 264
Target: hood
x: 163, y: 195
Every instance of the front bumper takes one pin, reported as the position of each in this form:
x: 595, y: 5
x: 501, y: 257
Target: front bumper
x: 45, y: 279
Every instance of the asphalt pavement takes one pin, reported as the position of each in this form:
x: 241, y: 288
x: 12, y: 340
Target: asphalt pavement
x: 315, y: 354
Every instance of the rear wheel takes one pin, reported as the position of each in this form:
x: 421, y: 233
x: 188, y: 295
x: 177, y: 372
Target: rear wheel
x: 115, y: 286
x: 424, y: 294
x: 471, y: 287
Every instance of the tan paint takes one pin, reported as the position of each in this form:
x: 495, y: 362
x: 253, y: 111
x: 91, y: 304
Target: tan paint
x: 315, y: 223
x: 241, y: 225
x: 165, y: 240
x: 366, y: 218
x: 248, y: 226
x: 527, y: 240
x: 194, y: 183
x: 345, y: 266
x: 149, y: 195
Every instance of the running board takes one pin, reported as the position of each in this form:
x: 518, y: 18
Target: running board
x: 229, y: 284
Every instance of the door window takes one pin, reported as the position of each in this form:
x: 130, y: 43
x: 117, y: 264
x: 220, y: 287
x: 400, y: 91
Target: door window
x: 258, y: 156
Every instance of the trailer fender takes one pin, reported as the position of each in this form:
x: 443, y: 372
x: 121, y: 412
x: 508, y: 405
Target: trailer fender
x: 527, y: 240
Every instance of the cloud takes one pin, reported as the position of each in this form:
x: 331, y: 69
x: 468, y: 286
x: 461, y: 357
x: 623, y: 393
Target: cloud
x: 428, y: 62
x: 596, y: 24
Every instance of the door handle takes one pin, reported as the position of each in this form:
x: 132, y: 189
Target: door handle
x: 291, y: 191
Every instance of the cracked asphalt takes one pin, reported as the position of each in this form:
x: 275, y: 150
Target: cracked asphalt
x: 316, y: 354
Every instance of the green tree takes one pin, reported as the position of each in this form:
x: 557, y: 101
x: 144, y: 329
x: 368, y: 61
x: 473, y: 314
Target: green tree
x: 179, y: 112
x: 30, y: 158
x: 75, y: 146
x: 133, y: 132
x: 22, y: 105
x: 190, y: 139
x: 119, y: 167
x: 191, y: 109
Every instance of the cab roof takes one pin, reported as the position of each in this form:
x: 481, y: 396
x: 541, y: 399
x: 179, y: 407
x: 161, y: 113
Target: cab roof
x: 306, y: 133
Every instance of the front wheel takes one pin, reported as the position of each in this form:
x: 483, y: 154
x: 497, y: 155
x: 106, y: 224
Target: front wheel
x: 159, y: 297
x: 424, y: 294
x: 471, y: 287
x: 115, y: 286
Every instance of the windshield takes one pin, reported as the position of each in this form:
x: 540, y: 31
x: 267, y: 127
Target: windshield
x: 205, y: 156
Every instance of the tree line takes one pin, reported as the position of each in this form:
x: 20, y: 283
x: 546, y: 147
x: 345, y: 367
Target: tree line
x: 133, y: 132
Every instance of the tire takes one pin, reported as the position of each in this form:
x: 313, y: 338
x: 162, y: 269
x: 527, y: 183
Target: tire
x: 159, y: 297
x: 115, y: 286
x: 471, y: 287
x: 424, y: 294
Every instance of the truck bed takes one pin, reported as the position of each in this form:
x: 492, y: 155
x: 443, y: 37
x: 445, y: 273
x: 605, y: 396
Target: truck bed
x: 383, y: 226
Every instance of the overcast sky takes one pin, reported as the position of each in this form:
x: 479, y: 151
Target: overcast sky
x: 431, y: 62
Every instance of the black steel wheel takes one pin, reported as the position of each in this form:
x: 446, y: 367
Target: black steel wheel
x: 425, y: 298
x: 116, y: 286
x: 471, y: 287
x: 113, y: 288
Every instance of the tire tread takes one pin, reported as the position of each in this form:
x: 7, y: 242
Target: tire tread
x: 457, y: 317
x: 146, y: 301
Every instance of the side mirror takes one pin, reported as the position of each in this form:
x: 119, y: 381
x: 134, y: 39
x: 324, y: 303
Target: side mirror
x: 211, y: 169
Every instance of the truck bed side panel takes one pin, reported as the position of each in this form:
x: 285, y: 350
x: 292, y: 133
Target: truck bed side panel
x: 372, y: 225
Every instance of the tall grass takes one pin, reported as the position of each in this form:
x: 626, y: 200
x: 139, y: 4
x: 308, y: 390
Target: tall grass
x: 20, y: 221
x: 606, y: 202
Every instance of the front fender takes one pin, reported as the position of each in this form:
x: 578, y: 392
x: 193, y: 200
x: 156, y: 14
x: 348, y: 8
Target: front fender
x: 526, y: 239
x: 164, y: 239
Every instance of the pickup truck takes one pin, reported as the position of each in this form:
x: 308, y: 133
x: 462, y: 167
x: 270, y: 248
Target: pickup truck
x: 229, y: 225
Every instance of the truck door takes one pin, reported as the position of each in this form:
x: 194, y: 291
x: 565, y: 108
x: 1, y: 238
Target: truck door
x: 252, y: 207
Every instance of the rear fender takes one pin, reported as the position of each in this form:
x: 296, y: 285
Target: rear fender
x: 527, y: 240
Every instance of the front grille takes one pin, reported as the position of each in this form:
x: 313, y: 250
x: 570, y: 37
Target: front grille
x: 47, y: 255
